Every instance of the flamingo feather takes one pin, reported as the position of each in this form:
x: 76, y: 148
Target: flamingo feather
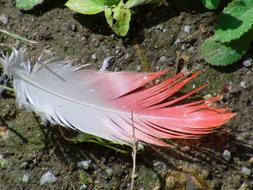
x: 101, y: 103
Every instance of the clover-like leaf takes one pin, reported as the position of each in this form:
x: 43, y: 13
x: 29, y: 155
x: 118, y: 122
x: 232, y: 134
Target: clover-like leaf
x: 236, y: 19
x: 222, y: 54
x: 86, y: 6
x: 27, y: 4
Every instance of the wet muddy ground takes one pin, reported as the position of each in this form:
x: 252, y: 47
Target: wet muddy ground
x: 159, y: 37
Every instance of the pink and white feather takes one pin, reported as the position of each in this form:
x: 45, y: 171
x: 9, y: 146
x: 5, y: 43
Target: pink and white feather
x: 101, y: 103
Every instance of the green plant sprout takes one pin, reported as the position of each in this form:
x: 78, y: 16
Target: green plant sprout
x: 27, y: 4
x: 117, y: 13
x: 233, y: 34
x: 211, y: 4
x: 230, y: 42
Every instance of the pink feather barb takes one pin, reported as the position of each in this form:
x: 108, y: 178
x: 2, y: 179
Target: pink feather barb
x: 102, y: 103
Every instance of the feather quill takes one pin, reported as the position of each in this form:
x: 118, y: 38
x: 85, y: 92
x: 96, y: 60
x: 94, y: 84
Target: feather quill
x: 101, y: 103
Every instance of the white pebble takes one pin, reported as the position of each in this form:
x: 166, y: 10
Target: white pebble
x: 84, y: 164
x: 25, y: 178
x: 83, y: 187
x: 243, y: 84
x: 48, y: 178
x: 247, y: 63
x: 177, y: 41
x: 246, y: 171
x: 227, y: 155
x: 94, y: 56
x: 4, y: 19
x: 106, y: 63
x: 162, y: 59
x: 109, y: 172
x: 187, y: 29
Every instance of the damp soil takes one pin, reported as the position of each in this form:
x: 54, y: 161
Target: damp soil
x: 159, y: 37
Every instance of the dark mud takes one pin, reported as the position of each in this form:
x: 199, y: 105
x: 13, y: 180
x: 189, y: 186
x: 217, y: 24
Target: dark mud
x: 159, y: 37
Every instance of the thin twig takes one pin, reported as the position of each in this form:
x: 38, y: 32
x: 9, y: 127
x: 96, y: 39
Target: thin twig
x: 7, y: 88
x: 17, y: 37
x: 135, y: 145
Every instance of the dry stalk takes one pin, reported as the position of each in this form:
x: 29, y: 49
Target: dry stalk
x: 134, y: 152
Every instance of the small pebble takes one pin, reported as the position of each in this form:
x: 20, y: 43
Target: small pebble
x: 177, y: 41
x: 108, y: 172
x: 84, y: 164
x: 191, y: 49
x: 159, y: 166
x: 187, y: 29
x: 94, y: 56
x: 4, y: 19
x: 138, y: 68
x: 74, y: 28
x: 106, y: 64
x: 83, y: 187
x: 25, y: 178
x: 246, y: 171
x: 243, y: 84
x: 48, y: 178
x: 227, y: 155
x: 3, y: 162
x: 162, y: 59
x: 24, y: 165
x: 247, y: 63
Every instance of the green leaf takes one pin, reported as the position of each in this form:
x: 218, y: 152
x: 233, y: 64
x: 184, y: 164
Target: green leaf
x: 109, y: 16
x: 220, y: 54
x: 211, y: 4
x: 110, y: 2
x: 118, y: 18
x: 27, y: 4
x: 135, y: 3
x: 86, y: 6
x: 235, y: 20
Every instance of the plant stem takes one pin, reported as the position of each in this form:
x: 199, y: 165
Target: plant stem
x: 135, y: 144
x: 17, y: 37
x: 7, y: 88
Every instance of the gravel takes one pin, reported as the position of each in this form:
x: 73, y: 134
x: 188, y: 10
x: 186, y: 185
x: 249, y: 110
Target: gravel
x: 246, y: 171
x: 84, y: 164
x: 48, y: 178
x: 247, y: 63
x: 227, y: 155
x: 108, y: 172
x: 25, y: 178
x: 4, y: 19
x: 187, y: 29
x: 83, y: 187
x: 162, y: 59
x: 94, y: 56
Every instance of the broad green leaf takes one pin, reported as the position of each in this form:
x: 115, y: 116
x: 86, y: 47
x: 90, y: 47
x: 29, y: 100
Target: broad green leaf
x: 135, y: 3
x: 110, y: 2
x: 118, y: 18
x: 220, y: 54
x: 27, y: 4
x: 89, y: 7
x: 236, y: 19
x: 211, y: 4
